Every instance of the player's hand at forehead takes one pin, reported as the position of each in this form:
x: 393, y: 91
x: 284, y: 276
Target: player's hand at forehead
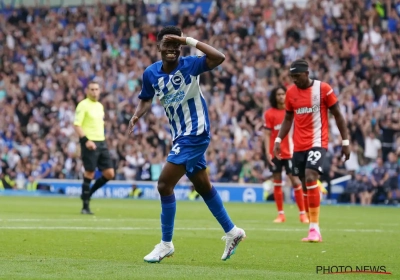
x: 174, y: 39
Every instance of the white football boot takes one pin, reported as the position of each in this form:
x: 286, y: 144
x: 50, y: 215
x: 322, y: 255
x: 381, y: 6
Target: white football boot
x: 161, y: 250
x: 232, y: 239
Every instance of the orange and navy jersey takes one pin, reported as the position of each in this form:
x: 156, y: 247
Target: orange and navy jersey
x: 273, y: 119
x: 310, y: 107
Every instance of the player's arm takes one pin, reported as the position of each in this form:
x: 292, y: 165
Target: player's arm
x: 342, y: 126
x: 283, y: 132
x: 267, y: 134
x: 286, y: 125
x: 79, y: 117
x: 143, y: 107
x: 288, y: 120
x: 331, y: 102
x: 79, y: 131
x: 213, y: 57
x: 340, y: 121
x: 146, y: 99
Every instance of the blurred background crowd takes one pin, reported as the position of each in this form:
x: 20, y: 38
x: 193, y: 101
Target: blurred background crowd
x: 48, y: 55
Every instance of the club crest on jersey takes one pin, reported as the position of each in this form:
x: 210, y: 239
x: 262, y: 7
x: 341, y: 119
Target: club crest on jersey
x: 277, y: 127
x: 177, y: 79
x: 307, y: 110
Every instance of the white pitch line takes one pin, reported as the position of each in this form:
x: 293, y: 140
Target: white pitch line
x: 78, y: 220
x: 94, y: 219
x: 178, y: 228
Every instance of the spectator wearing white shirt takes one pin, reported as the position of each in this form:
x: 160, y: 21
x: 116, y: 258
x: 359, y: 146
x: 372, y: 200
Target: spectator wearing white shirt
x: 372, y: 147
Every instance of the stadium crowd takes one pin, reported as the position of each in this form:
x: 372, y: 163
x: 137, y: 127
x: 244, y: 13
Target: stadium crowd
x: 49, y: 56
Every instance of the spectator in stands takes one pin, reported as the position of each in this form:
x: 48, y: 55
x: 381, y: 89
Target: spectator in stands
x: 366, y: 191
x: 372, y: 147
x: 389, y: 126
x: 392, y: 183
x: 353, y: 187
x: 379, y: 177
x: 337, y: 169
x: 231, y: 170
x: 353, y: 164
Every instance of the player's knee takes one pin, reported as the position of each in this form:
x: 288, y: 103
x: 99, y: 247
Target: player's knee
x: 277, y: 176
x: 294, y: 180
x: 201, y: 182
x: 164, y: 188
x: 109, y: 174
x: 203, y: 188
x: 311, y: 175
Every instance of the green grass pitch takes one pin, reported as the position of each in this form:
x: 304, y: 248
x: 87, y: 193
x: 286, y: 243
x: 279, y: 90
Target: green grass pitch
x: 47, y: 238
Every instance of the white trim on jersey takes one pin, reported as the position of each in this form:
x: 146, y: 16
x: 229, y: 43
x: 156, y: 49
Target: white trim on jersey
x: 186, y: 115
x: 201, y: 120
x: 291, y: 143
x: 316, y: 115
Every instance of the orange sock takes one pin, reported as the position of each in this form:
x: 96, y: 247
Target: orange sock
x: 278, y: 196
x: 306, y: 204
x: 314, y: 200
x: 299, y: 197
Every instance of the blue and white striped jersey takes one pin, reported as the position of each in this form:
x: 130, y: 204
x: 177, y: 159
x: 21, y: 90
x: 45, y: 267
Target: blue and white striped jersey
x: 180, y: 94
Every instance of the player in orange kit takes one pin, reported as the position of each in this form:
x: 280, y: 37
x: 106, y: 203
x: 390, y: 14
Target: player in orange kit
x: 273, y: 119
x: 308, y: 102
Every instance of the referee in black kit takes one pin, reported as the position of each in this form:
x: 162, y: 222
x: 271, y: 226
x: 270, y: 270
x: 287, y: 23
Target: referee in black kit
x: 89, y: 125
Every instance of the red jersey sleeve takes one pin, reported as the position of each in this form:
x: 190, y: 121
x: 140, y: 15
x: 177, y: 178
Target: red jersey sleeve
x: 330, y: 98
x: 288, y: 104
x: 268, y: 120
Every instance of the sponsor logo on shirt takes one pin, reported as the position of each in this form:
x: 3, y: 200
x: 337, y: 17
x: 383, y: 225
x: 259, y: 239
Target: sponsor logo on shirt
x: 307, y: 110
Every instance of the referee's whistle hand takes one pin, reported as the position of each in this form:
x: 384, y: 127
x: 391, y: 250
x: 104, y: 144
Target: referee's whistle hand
x: 90, y: 145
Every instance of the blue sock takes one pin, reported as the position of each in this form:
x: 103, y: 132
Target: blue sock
x: 168, y: 210
x: 214, y: 203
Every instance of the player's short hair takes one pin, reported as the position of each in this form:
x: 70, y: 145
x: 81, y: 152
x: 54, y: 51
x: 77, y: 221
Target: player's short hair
x: 299, y: 66
x: 169, y: 30
x: 272, y: 96
x: 92, y: 83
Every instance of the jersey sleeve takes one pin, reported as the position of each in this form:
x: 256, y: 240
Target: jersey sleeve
x: 197, y: 64
x: 288, y: 104
x: 147, y: 91
x: 79, y: 114
x: 330, y: 98
x: 268, y: 120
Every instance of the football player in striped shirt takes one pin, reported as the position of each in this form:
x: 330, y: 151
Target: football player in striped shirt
x: 175, y: 82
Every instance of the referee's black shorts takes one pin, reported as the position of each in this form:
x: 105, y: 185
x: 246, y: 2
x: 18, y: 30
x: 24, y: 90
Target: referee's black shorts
x: 99, y: 158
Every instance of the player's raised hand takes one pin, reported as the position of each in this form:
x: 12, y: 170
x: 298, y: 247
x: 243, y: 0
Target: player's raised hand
x: 175, y: 38
x: 132, y: 123
x: 277, y: 150
x: 345, y: 152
